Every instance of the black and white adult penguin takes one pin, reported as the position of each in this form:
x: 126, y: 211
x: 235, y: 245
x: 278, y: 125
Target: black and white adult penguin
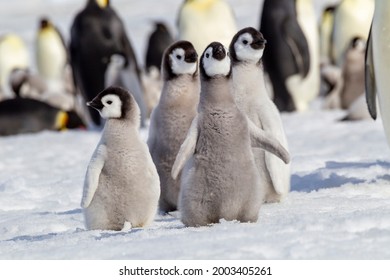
x: 288, y: 54
x: 352, y: 18
x: 26, y: 115
x: 13, y: 55
x: 159, y: 40
x: 377, y: 64
x: 204, y: 21
x: 97, y: 34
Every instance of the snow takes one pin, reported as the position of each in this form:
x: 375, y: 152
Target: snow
x: 338, y: 207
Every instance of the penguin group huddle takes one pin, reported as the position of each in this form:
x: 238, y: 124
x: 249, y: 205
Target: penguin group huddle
x: 216, y: 147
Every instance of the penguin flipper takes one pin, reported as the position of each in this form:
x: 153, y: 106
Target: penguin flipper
x: 93, y: 173
x: 296, y: 40
x: 264, y: 140
x: 187, y: 149
x: 370, y: 78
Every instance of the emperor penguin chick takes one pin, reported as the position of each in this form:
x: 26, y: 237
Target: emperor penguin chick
x: 172, y: 117
x: 220, y: 179
x: 121, y: 184
x: 250, y: 94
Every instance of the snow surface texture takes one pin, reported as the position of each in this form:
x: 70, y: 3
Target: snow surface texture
x: 338, y: 207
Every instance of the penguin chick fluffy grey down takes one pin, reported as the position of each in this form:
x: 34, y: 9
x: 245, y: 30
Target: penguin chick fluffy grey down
x: 250, y: 94
x: 172, y: 117
x: 122, y: 186
x: 220, y: 179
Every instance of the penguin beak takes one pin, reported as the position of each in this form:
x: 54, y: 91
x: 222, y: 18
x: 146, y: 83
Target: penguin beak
x: 191, y: 57
x: 96, y: 104
x: 219, y: 53
x: 259, y: 44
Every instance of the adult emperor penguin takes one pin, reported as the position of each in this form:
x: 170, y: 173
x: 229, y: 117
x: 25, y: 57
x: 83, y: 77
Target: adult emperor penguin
x: 288, y: 57
x: 159, y: 40
x: 13, y: 55
x: 204, y: 21
x: 97, y: 33
x: 53, y: 65
x: 172, y: 117
x: 121, y: 187
x: 307, y: 89
x: 251, y: 96
x: 220, y: 179
x: 377, y: 65
x: 326, y: 29
x: 26, y: 115
x: 352, y: 18
x: 51, y: 55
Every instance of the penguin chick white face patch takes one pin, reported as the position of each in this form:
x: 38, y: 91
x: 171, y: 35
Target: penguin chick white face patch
x: 214, y: 67
x: 179, y: 65
x: 244, y: 51
x: 112, y: 106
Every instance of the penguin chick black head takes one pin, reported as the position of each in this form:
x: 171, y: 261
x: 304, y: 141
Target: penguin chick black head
x: 180, y: 58
x: 115, y: 103
x: 215, y: 62
x: 247, y: 45
x: 358, y: 43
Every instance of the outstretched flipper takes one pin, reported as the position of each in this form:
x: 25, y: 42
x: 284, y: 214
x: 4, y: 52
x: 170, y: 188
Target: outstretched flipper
x: 266, y: 141
x: 93, y: 173
x: 299, y: 47
x: 187, y: 149
x: 370, y: 78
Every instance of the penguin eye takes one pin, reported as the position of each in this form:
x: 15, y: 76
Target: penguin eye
x: 245, y: 42
x: 207, y: 55
x: 109, y: 102
x: 178, y: 56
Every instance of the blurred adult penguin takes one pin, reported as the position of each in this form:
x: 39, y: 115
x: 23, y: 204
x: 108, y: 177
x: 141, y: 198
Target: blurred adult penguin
x: 326, y: 29
x: 204, y: 21
x: 377, y: 64
x: 352, y: 18
x: 159, y: 40
x: 308, y: 88
x: 51, y: 53
x: 53, y: 64
x: 13, y: 55
x: 288, y: 56
x: 97, y: 34
x: 26, y: 115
